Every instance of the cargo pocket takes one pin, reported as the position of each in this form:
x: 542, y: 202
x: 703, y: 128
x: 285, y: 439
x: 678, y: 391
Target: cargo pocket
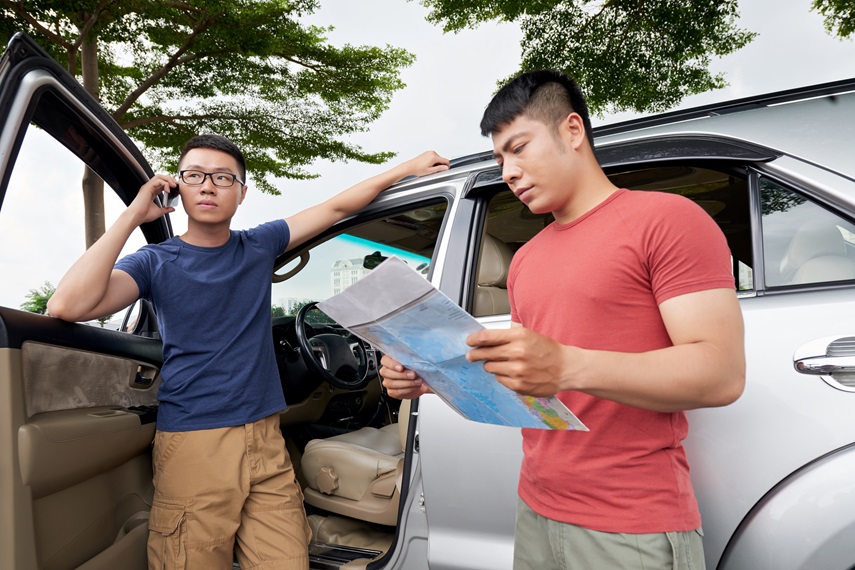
x: 687, y: 549
x: 166, y: 539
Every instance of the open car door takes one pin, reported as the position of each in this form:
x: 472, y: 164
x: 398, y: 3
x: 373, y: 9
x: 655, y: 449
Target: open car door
x: 77, y: 401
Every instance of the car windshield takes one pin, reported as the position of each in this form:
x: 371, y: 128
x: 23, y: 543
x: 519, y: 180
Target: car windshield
x: 333, y: 265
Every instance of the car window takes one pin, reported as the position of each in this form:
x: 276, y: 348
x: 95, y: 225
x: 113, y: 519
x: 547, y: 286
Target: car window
x: 803, y: 243
x: 41, y: 220
x: 344, y: 258
x: 723, y: 195
x: 509, y: 224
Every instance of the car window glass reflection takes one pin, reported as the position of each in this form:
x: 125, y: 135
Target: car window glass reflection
x: 803, y: 243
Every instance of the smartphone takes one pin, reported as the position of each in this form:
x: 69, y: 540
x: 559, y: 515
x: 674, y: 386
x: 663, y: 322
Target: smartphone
x: 170, y: 199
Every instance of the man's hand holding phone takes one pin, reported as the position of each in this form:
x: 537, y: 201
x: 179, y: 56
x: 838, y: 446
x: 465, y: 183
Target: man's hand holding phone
x: 146, y: 208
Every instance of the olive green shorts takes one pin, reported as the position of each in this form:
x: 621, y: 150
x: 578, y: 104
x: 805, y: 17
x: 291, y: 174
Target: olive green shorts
x: 544, y: 544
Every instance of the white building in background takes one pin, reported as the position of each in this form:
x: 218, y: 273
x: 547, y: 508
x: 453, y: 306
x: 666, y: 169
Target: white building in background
x: 346, y: 272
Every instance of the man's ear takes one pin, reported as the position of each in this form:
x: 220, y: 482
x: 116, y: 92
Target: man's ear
x: 243, y: 190
x: 573, y: 127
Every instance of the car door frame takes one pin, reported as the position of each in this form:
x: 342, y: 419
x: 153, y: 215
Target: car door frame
x: 35, y: 89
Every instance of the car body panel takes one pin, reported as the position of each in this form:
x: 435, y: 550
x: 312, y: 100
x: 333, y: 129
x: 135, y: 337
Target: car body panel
x: 814, y: 507
x: 811, y: 130
x: 779, y: 407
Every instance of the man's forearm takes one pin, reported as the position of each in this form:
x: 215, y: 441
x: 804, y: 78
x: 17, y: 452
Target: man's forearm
x: 360, y: 195
x: 316, y: 219
x: 85, y: 284
x: 676, y: 378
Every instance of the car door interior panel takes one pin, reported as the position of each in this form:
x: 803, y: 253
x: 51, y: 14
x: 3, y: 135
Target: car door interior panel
x: 82, y: 424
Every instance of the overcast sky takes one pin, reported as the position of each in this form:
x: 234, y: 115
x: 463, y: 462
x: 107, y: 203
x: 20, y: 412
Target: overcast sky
x: 447, y: 89
x: 455, y: 75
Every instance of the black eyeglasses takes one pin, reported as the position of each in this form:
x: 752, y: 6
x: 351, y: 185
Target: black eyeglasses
x: 197, y: 177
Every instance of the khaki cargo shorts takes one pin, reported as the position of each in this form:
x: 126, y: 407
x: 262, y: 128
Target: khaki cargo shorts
x: 226, y: 492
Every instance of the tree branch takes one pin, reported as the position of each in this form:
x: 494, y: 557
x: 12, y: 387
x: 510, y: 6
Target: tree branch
x: 292, y: 59
x: 183, y: 6
x: 145, y: 121
x: 90, y: 22
x: 18, y: 8
x: 592, y: 18
x: 174, y: 61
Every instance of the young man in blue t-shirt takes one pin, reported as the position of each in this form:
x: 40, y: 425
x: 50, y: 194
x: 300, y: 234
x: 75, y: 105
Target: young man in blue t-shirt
x: 223, y: 480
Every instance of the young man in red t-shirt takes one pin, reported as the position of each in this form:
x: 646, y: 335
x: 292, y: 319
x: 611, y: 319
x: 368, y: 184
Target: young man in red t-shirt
x: 625, y: 309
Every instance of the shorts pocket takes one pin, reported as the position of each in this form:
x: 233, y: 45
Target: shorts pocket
x: 165, y: 445
x: 167, y: 536
x: 688, y: 549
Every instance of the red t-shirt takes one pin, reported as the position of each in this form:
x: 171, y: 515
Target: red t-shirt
x: 596, y: 283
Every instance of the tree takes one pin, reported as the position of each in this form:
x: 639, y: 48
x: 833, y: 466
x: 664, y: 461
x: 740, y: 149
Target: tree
x: 839, y: 16
x: 246, y: 69
x: 37, y: 299
x: 639, y: 55
x: 104, y: 320
x: 313, y: 316
x: 277, y: 311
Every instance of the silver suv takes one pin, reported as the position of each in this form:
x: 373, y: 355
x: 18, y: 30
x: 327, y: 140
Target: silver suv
x: 416, y: 486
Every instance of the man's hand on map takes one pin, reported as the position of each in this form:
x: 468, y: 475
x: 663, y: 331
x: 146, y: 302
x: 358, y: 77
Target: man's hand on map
x: 401, y: 383
x: 528, y: 363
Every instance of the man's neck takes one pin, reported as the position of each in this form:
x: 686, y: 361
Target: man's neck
x: 206, y: 235
x: 586, y: 200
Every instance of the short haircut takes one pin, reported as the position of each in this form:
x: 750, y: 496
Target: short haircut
x: 546, y: 95
x: 216, y: 142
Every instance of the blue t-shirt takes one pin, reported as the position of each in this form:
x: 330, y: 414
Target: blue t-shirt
x: 213, y: 311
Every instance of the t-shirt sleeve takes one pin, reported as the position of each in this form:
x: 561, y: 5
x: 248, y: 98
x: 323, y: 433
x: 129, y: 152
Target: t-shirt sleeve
x: 687, y: 251
x: 273, y: 236
x: 139, y: 266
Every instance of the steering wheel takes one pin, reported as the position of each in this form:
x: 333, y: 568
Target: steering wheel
x: 340, y: 361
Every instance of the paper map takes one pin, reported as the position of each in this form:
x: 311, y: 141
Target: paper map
x: 402, y: 314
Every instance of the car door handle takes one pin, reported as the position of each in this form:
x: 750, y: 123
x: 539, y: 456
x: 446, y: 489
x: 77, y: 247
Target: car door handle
x: 825, y: 364
x: 830, y: 358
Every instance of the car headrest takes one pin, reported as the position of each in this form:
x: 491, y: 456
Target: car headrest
x: 811, y: 240
x: 494, y: 264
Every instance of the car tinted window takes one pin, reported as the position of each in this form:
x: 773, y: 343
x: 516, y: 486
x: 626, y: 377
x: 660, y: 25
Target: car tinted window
x: 509, y: 224
x: 343, y: 259
x: 803, y: 243
x: 723, y: 195
x: 41, y: 220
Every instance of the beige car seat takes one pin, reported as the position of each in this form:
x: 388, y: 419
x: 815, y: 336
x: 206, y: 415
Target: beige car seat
x: 491, y: 290
x: 817, y: 253
x: 358, y: 474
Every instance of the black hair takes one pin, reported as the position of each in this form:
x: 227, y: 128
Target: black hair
x: 547, y: 95
x: 216, y: 142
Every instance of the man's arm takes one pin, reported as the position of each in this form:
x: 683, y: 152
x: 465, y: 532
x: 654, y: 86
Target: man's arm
x: 312, y: 221
x: 92, y: 288
x: 705, y: 366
